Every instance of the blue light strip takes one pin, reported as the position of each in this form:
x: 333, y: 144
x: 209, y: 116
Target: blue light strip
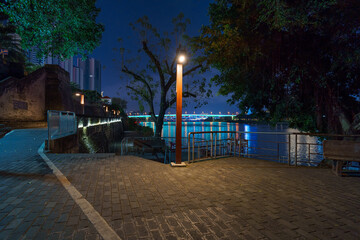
x: 185, y: 115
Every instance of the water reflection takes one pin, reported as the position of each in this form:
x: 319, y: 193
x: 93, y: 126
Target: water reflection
x: 259, y: 144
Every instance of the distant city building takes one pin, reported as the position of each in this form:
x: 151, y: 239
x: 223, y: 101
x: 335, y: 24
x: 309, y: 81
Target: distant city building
x: 68, y: 65
x: 32, y: 57
x: 78, y: 76
x: 92, y: 74
x: 86, y: 74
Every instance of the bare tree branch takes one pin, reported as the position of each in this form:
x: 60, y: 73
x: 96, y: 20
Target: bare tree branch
x: 148, y: 100
x: 140, y: 79
x: 173, y: 100
x: 174, y: 60
x: 192, y: 70
x: 156, y: 62
x: 168, y: 67
x: 172, y: 78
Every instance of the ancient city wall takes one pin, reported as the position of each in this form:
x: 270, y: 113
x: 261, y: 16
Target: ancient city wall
x: 29, y: 98
x: 23, y: 99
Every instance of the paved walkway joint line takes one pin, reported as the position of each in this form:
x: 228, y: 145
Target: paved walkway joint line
x: 94, y: 217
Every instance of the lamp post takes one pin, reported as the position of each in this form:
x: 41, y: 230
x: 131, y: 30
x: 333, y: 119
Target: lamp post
x: 179, y: 76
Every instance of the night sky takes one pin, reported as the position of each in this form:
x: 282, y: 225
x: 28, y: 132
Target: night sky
x: 116, y: 16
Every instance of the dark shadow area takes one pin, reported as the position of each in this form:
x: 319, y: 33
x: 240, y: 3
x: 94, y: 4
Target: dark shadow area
x: 27, y: 176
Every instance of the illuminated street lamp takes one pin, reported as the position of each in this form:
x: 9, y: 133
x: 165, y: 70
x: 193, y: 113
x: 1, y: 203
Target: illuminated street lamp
x: 82, y: 101
x: 179, y: 76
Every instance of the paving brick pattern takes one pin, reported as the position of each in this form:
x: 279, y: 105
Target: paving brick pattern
x: 220, y: 199
x: 141, y: 199
x: 33, y: 204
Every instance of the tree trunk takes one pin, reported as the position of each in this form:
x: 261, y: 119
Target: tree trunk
x: 331, y: 115
x: 159, y: 126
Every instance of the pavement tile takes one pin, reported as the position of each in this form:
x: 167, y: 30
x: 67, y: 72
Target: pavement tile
x: 231, y: 198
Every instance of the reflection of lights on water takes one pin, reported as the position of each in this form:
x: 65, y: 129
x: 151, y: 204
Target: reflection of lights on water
x: 247, y: 129
x: 169, y: 130
x: 203, y: 129
x: 228, y: 129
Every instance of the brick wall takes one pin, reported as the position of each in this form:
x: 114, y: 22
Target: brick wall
x: 23, y: 99
x: 29, y: 98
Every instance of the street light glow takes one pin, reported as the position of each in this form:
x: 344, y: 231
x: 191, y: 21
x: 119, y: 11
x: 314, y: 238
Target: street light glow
x: 182, y: 59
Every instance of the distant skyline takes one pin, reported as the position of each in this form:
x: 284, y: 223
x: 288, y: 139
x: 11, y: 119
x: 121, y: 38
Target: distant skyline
x: 116, y: 16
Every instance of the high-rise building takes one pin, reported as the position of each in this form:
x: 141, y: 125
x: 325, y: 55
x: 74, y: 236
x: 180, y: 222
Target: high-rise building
x: 68, y: 65
x: 78, y: 76
x: 32, y: 57
x: 86, y: 74
x: 91, y: 74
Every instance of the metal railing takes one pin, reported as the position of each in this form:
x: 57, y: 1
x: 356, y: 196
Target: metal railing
x: 291, y: 148
x: 214, y: 145
x: 94, y: 121
x: 311, y: 154
x: 128, y: 147
x: 60, y: 124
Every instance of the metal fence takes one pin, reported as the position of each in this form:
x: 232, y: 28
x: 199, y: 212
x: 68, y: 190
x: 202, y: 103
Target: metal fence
x: 291, y: 148
x: 60, y: 124
x: 94, y: 121
x: 130, y: 146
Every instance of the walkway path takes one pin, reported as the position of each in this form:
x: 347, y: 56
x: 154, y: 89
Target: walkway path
x: 231, y: 198
x: 222, y: 199
x: 33, y: 204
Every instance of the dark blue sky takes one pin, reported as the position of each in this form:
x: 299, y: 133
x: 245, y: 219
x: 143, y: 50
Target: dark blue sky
x: 116, y: 16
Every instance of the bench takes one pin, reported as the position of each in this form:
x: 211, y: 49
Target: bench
x: 153, y: 146
x: 341, y: 152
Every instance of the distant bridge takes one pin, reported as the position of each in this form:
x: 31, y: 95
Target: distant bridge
x: 186, y: 116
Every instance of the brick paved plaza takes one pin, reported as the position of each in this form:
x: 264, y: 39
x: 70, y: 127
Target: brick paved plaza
x: 231, y: 198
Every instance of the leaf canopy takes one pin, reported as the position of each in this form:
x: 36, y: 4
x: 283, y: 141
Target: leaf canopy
x: 287, y: 60
x: 63, y: 28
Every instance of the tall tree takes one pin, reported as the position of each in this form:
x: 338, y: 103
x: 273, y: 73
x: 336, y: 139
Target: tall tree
x: 158, y: 75
x: 62, y: 28
x: 295, y: 60
x: 13, y: 63
x: 120, y: 102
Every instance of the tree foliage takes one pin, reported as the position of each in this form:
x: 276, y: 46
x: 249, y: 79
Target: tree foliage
x: 120, y: 102
x: 152, y: 83
x: 294, y: 60
x: 13, y: 63
x: 63, y: 28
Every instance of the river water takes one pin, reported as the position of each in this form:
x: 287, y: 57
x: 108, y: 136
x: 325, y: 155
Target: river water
x: 272, y: 146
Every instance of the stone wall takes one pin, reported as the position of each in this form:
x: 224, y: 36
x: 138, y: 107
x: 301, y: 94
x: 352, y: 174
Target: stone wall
x: 100, y: 138
x: 58, y: 95
x: 28, y: 98
x: 94, y: 139
x: 68, y: 144
x: 23, y: 99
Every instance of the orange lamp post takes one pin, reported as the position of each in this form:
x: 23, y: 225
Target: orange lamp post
x: 179, y: 76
